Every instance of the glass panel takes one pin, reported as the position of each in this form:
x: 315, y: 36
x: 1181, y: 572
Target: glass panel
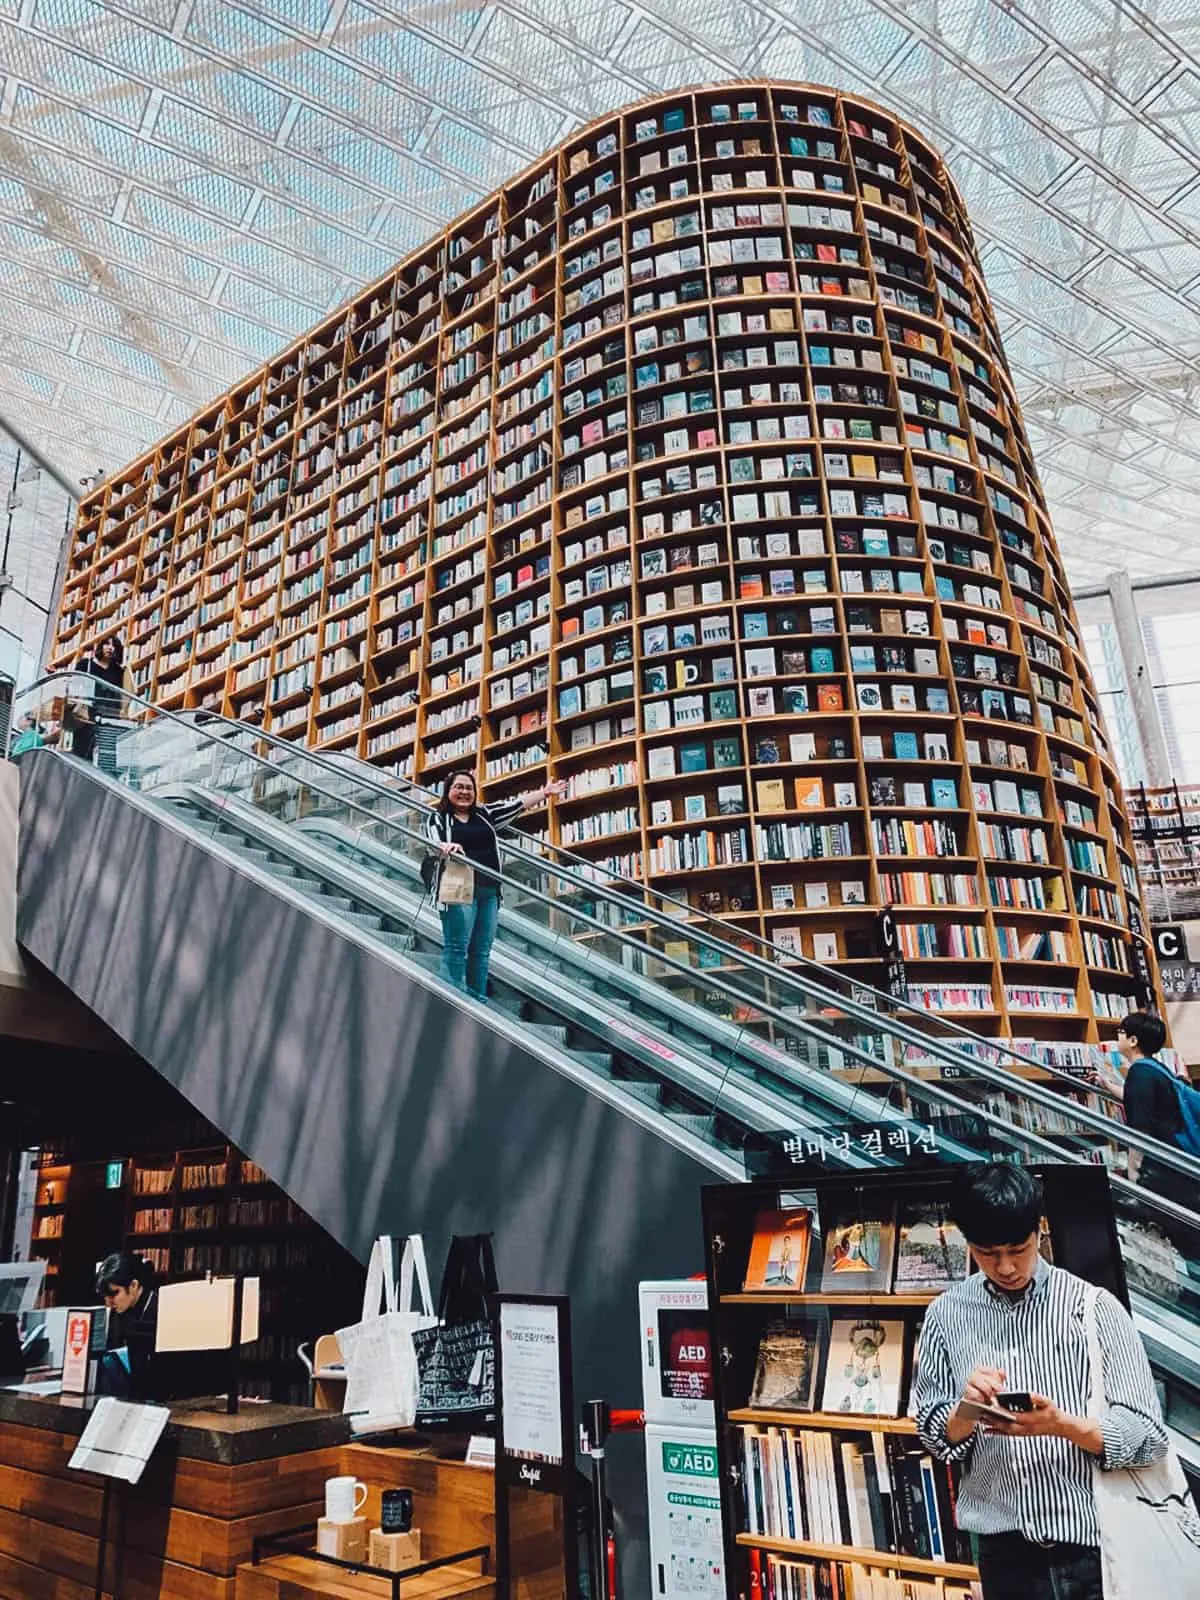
x: 717, y: 1044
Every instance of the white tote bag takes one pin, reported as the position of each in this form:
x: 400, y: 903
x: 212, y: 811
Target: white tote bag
x: 381, y: 1364
x: 1149, y: 1527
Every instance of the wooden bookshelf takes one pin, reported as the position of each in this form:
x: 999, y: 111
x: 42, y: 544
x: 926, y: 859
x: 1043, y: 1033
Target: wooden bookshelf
x: 823, y: 1488
x: 686, y: 467
x: 860, y: 1556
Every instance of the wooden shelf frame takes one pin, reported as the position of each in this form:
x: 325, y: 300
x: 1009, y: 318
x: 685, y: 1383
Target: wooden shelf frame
x: 328, y: 543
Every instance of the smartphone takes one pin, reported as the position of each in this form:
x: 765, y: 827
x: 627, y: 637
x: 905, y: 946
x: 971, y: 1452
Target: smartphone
x: 1015, y: 1400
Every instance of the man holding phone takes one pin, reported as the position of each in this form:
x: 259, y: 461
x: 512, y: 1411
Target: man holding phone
x: 1001, y: 1387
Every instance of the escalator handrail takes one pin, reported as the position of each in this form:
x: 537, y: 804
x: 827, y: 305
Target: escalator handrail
x: 811, y: 985
x: 619, y: 886
x: 998, y: 1077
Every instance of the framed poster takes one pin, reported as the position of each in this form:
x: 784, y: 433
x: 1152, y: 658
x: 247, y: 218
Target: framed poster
x: 535, y: 1444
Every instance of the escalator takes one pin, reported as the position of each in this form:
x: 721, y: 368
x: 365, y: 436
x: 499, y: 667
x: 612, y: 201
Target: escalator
x: 244, y: 912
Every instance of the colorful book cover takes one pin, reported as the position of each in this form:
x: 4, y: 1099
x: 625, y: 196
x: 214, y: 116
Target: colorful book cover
x: 858, y: 1254
x: 779, y: 1251
x: 865, y: 1367
x: 932, y: 1252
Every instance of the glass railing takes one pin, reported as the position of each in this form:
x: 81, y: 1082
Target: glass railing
x: 802, y: 1021
x: 1083, y: 1072
x: 764, y: 1069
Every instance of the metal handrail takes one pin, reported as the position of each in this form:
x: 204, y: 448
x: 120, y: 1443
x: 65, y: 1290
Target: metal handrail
x: 618, y: 887
x: 866, y: 1017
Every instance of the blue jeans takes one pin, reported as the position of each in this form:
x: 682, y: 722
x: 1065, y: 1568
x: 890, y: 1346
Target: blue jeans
x: 468, y: 933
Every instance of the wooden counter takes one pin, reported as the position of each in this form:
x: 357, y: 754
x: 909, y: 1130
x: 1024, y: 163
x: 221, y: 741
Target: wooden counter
x: 214, y: 1483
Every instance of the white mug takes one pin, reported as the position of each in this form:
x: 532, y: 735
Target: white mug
x: 342, y: 1499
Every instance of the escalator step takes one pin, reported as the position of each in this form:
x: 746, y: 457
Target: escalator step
x: 364, y: 919
x: 548, y: 1032
x: 694, y: 1122
x: 647, y: 1089
x: 595, y: 1061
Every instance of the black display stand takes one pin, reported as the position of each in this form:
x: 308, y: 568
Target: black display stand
x: 1082, y: 1239
x: 535, y: 1407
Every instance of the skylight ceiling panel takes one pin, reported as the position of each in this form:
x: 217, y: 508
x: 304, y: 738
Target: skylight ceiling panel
x: 307, y: 186
x: 985, y: 123
x: 219, y: 363
x: 453, y: 21
x: 979, y: 30
x: 207, y: 138
x: 1047, y: 300
x: 400, y: 231
x: 1043, y: 354
x: 259, y: 343
x: 308, y: 16
x: 297, y: 275
x: 46, y: 62
x: 594, y: 26
x: 192, y: 230
x: 448, y: 80
x: 285, y: 314
x: 1001, y: 213
x: 453, y: 144
x: 1143, y: 304
x: 856, y: 29
x: 662, y: 61
x: 514, y: 45
x: 1115, y: 216
x: 1097, y: 124
x: 122, y: 357
x: 730, y: 34
x: 1109, y: 40
x: 1176, y: 107
x: 331, y: 142
x: 54, y: 172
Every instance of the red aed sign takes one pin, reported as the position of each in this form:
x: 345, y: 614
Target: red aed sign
x: 76, y: 1352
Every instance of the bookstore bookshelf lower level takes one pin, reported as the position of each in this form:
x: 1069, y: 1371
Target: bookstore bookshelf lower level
x: 817, y: 1290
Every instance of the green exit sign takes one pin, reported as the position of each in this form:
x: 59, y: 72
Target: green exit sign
x: 114, y: 1175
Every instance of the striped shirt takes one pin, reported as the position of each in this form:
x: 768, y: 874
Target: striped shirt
x: 1038, y: 1486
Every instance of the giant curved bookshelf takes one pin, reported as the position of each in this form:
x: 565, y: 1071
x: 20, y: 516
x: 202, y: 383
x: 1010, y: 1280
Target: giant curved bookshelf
x: 689, y: 464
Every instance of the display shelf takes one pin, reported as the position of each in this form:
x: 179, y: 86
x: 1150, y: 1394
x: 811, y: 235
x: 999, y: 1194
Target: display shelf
x: 582, y: 466
x: 860, y: 1556
x: 822, y: 1470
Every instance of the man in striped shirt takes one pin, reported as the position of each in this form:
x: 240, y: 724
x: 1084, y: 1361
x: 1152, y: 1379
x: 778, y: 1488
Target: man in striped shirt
x: 1018, y: 1325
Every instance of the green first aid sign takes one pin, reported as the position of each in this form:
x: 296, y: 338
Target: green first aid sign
x: 689, y: 1460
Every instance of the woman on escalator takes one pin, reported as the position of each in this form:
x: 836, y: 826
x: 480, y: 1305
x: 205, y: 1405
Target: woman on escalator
x: 465, y: 832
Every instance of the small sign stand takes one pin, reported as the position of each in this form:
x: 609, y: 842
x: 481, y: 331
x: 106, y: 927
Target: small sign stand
x: 116, y: 1445
x: 535, y: 1428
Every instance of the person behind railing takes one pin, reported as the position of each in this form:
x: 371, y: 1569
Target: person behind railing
x: 106, y: 663
x: 459, y: 826
x: 32, y: 735
x: 1152, y: 1106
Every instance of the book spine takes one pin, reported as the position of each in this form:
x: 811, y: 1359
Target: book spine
x: 881, y: 1533
x: 932, y: 1514
x: 749, y: 1483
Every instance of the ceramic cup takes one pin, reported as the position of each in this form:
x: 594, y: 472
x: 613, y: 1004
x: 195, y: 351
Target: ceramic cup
x: 344, y: 1499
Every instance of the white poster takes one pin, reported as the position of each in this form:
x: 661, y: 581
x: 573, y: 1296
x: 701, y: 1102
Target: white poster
x: 531, y: 1412
x: 119, y: 1439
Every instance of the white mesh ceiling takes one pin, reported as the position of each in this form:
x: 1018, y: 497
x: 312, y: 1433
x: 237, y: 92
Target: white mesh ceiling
x: 186, y: 185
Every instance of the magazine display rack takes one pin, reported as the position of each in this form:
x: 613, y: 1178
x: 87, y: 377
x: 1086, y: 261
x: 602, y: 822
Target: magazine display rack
x: 817, y: 1291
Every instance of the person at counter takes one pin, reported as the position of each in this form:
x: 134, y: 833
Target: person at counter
x: 128, y: 1285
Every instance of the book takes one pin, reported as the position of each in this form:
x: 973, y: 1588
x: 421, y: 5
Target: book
x: 785, y: 1369
x: 858, y: 1254
x: 810, y: 794
x: 931, y: 1253
x: 779, y: 1251
x: 864, y: 1366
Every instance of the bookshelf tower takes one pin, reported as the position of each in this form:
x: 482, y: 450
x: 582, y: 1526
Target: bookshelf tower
x: 686, y: 467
